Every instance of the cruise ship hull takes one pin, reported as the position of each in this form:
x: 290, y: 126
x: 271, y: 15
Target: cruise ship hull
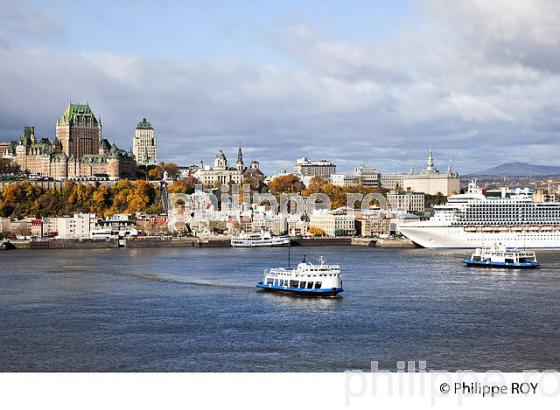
x: 429, y: 235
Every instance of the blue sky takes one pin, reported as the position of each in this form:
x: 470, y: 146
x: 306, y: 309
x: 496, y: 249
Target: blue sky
x: 211, y: 29
x: 373, y: 82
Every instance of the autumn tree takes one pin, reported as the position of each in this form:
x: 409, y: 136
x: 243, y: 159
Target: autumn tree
x: 316, y: 231
x: 286, y: 184
x: 183, y: 186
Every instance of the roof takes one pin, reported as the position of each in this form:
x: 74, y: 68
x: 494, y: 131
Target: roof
x: 144, y: 125
x: 76, y: 110
x: 28, y: 136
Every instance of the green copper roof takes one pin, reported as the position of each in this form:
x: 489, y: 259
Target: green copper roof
x: 144, y: 125
x: 28, y: 136
x: 76, y: 110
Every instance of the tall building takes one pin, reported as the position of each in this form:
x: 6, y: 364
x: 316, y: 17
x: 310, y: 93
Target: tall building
x: 306, y: 168
x: 144, y: 144
x: 78, y: 131
x: 79, y: 152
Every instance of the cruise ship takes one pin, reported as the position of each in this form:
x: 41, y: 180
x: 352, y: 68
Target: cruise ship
x: 471, y: 220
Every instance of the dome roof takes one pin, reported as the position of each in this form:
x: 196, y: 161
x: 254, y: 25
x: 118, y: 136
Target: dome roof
x: 144, y: 125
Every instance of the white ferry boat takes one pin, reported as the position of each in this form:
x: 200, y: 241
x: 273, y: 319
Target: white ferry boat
x: 307, y: 279
x: 500, y: 256
x: 471, y: 220
x: 259, y: 239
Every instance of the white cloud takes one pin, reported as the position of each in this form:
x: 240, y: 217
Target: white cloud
x: 467, y: 83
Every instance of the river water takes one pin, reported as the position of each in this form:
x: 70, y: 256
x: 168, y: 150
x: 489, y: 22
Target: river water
x: 197, y: 309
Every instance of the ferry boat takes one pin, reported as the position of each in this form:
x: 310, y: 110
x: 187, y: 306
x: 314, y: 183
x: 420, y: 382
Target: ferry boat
x: 306, y: 279
x: 258, y: 239
x: 471, y: 220
x: 500, y: 256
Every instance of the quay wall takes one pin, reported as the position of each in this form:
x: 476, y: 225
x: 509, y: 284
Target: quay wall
x: 168, y: 242
x: 321, y: 241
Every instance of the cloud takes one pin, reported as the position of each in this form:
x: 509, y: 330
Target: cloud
x: 23, y: 19
x: 465, y: 82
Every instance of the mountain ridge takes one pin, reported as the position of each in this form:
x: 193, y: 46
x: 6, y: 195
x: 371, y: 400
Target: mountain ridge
x: 518, y: 169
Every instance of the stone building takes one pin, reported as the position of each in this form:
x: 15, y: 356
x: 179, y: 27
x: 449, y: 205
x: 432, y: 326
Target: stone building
x: 79, y: 152
x: 307, y: 169
x: 144, y: 144
x: 407, y: 201
x: 366, y: 176
x: 220, y: 172
x: 429, y: 181
x: 333, y: 223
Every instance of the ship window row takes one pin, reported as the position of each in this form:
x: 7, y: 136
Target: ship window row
x: 312, y: 276
x: 299, y: 284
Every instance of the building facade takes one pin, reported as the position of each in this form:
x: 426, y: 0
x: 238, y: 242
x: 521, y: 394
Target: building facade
x: 79, y: 152
x: 429, y: 181
x: 220, y: 172
x: 407, y: 201
x: 306, y: 168
x: 333, y: 223
x: 144, y: 144
x: 366, y: 176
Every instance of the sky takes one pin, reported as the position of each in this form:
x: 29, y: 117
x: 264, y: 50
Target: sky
x: 355, y: 82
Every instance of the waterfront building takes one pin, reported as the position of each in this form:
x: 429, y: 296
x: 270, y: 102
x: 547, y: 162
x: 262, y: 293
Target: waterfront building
x: 279, y: 224
x: 406, y: 201
x: 144, y: 144
x: 37, y: 228
x: 220, y: 172
x: 79, y: 152
x: 298, y: 224
x: 429, y: 181
x: 78, y: 226
x: 373, y: 223
x: 362, y: 175
x: 333, y: 223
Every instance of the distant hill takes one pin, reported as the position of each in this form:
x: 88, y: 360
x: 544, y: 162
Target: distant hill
x: 519, y: 169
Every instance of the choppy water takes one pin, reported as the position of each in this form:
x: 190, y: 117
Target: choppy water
x: 197, y: 309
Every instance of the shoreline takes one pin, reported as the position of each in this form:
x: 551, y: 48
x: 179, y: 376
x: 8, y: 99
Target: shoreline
x: 168, y: 242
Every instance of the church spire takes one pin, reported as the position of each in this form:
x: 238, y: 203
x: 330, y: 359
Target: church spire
x: 239, y: 164
x: 430, y: 165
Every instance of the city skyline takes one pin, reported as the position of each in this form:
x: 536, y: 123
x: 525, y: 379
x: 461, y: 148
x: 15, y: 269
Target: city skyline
x: 375, y: 84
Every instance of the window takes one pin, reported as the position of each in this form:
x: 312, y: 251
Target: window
x: 317, y: 285
x: 302, y: 284
x: 309, y: 285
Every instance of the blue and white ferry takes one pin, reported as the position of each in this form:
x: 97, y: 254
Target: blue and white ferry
x: 500, y: 256
x: 307, y: 279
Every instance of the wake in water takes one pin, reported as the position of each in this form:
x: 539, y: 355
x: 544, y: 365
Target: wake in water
x: 195, y: 282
